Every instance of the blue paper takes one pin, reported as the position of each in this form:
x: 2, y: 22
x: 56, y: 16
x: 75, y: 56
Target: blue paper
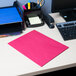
x: 9, y: 15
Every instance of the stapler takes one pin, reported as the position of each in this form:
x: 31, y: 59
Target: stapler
x: 48, y: 20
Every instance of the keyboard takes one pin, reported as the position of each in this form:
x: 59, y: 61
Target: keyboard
x: 67, y: 30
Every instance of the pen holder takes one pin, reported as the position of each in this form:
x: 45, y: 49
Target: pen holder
x: 34, y: 12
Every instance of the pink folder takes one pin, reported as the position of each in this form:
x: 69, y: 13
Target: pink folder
x: 38, y: 47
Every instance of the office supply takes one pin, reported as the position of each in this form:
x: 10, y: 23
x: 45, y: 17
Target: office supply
x: 1, y: 36
x: 13, y: 33
x: 34, y: 20
x: 48, y: 20
x: 10, y: 34
x: 37, y: 1
x: 33, y: 13
x: 24, y: 7
x: 66, y: 8
x: 38, y: 47
x: 67, y: 30
x: 11, y: 19
x: 29, y: 5
x: 40, y: 3
x: 10, y: 16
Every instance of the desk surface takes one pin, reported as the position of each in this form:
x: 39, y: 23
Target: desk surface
x: 13, y: 63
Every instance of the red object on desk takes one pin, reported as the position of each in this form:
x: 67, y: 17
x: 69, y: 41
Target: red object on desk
x: 38, y: 47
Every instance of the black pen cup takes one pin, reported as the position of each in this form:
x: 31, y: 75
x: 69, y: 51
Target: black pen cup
x: 34, y: 11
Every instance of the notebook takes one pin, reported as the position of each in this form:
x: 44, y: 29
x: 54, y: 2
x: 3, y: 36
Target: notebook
x: 38, y: 47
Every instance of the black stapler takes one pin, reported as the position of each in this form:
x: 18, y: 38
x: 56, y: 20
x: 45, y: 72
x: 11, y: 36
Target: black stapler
x: 48, y: 20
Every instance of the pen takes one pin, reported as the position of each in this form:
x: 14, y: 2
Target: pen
x: 41, y: 2
x: 38, y: 4
x: 37, y: 1
x: 29, y: 5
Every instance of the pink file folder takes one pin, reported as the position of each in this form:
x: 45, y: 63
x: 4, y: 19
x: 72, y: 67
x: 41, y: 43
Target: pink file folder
x: 38, y: 47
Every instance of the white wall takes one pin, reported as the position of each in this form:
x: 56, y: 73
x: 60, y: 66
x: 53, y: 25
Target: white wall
x: 10, y: 2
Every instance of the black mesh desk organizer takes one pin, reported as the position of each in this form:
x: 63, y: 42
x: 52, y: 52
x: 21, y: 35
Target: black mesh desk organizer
x: 33, y: 12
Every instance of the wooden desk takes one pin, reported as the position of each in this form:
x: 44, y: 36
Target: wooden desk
x: 13, y: 63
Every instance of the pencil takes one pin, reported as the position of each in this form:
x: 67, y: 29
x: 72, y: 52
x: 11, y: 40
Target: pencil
x: 41, y: 2
x: 37, y: 1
